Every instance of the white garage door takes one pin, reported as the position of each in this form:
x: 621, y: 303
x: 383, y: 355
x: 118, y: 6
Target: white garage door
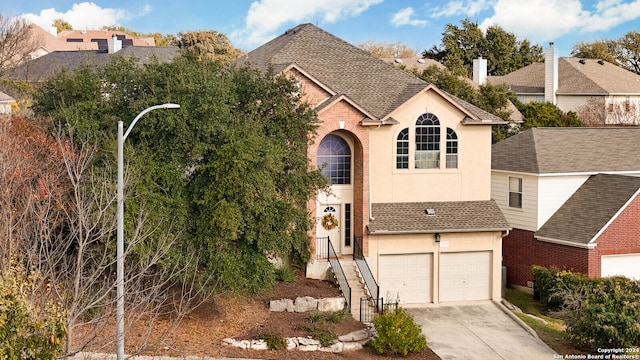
x: 407, y: 276
x: 626, y: 265
x: 465, y: 276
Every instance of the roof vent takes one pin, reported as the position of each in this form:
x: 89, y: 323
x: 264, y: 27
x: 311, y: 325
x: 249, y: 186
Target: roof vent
x: 430, y: 212
x: 421, y: 61
x: 582, y: 61
x: 399, y: 61
x: 601, y: 62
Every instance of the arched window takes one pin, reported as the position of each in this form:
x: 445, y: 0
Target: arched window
x: 427, y: 142
x: 402, y: 149
x: 334, y: 158
x: 452, y: 149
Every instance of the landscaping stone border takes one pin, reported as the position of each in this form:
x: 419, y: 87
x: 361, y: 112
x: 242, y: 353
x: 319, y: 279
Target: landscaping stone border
x: 349, y: 342
x: 306, y: 304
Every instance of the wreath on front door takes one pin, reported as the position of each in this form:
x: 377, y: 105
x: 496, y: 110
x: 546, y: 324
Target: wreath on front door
x: 329, y: 222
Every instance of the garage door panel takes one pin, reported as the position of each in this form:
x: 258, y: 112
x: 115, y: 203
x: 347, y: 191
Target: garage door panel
x: 622, y: 265
x: 407, y: 276
x: 465, y: 276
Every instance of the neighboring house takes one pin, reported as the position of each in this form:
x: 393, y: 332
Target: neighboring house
x: 44, y: 67
x: 409, y: 166
x: 74, y: 40
x: 6, y: 102
x: 593, y: 88
x: 571, y: 197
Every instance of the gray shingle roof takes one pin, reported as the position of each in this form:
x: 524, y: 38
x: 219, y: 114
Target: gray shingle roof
x: 451, y: 216
x: 373, y: 84
x: 567, y: 150
x: 594, y: 77
x: 48, y: 65
x: 590, y: 208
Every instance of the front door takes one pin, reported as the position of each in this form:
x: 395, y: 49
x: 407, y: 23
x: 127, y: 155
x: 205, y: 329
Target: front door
x: 329, y: 224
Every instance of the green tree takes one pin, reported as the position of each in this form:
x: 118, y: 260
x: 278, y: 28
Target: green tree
x: 229, y: 168
x: 461, y: 45
x: 536, y: 114
x: 62, y: 25
x: 624, y: 52
x: 208, y: 44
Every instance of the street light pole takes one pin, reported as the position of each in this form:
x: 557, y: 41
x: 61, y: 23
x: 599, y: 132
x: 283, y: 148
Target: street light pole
x: 120, y: 227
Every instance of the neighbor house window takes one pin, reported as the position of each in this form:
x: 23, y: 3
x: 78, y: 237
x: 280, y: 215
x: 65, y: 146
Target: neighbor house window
x: 427, y: 142
x: 515, y: 192
x: 334, y: 158
x: 402, y: 149
x: 452, y: 149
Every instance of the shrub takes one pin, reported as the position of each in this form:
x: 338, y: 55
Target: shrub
x: 608, y: 317
x: 25, y: 333
x: 552, y: 283
x: 320, y: 332
x: 275, y: 341
x: 285, y: 274
x: 397, y: 334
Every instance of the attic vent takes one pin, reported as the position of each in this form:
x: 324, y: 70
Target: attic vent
x: 430, y: 212
x: 399, y: 61
x: 421, y: 61
x: 582, y: 61
x: 601, y: 62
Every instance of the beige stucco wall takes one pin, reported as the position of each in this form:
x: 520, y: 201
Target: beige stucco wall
x: 425, y: 243
x: 470, y: 181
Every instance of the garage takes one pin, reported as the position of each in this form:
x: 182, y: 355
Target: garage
x: 465, y: 276
x: 626, y: 265
x: 407, y: 276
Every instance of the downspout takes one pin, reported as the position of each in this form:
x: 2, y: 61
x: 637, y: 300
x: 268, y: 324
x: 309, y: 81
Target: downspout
x: 371, y: 177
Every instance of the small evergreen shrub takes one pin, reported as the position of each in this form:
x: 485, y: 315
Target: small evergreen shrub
x: 275, y: 341
x: 397, y: 334
x: 285, y: 274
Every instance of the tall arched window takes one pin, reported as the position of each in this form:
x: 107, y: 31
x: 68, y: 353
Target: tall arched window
x: 334, y: 158
x: 452, y: 149
x: 402, y: 149
x: 427, y: 142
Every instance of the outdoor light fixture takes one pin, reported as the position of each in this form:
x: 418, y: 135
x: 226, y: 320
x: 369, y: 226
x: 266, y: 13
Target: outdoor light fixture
x: 437, y: 236
x: 120, y: 228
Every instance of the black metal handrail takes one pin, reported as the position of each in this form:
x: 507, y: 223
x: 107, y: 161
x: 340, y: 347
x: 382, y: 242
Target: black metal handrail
x: 338, y: 273
x: 321, y: 247
x: 365, y: 270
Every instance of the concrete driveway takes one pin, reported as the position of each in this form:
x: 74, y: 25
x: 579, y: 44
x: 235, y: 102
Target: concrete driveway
x: 480, y: 330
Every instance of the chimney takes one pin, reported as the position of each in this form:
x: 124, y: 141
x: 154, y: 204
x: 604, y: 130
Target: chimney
x: 550, y: 75
x: 114, y: 45
x: 53, y: 31
x: 480, y: 71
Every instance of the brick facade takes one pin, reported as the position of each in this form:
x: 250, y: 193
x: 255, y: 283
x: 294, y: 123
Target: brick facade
x: 521, y: 250
x: 331, y: 118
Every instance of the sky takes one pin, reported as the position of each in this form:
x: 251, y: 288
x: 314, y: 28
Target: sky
x: 416, y: 23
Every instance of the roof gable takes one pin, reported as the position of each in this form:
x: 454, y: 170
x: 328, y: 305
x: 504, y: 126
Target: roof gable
x: 569, y: 150
x: 590, y: 209
x: 575, y: 76
x: 373, y: 84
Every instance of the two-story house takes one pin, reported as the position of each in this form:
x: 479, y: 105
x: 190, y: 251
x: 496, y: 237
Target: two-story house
x: 571, y: 197
x: 600, y: 92
x: 409, y: 167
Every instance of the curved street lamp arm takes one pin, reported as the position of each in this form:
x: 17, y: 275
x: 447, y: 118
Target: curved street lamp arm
x: 133, y: 123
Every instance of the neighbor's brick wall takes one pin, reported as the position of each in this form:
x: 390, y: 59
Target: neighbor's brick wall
x: 622, y: 236
x: 309, y: 91
x: 520, y: 251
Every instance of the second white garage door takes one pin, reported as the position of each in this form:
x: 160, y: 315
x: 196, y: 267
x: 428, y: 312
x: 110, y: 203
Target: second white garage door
x: 465, y: 276
x: 626, y: 265
x: 407, y: 276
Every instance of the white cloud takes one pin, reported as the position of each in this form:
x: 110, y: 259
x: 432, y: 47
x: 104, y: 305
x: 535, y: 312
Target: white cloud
x: 84, y: 15
x: 406, y: 17
x: 467, y: 8
x: 265, y: 17
x: 546, y: 20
